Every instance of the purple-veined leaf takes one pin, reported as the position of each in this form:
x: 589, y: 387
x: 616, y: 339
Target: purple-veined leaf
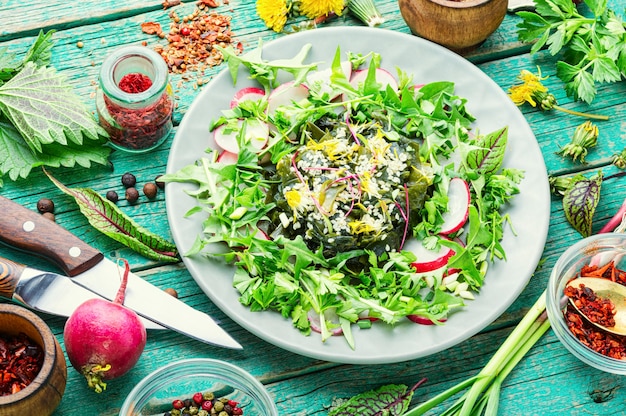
x: 580, y: 201
x: 488, y: 155
x: 388, y: 400
x: 107, y: 218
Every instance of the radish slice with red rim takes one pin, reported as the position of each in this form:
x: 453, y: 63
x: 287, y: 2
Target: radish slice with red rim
x: 247, y: 94
x: 458, y: 206
x: 422, y: 320
x: 330, y: 316
x: 286, y: 94
x: 256, y: 134
x: 227, y: 158
x: 383, y: 77
x: 428, y: 260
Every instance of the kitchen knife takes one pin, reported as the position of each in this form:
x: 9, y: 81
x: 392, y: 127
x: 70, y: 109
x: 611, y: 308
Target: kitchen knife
x: 27, y: 230
x: 46, y: 292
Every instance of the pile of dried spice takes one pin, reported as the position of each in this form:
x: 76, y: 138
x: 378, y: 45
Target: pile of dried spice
x: 191, y: 38
x: 599, y: 310
x: 205, y: 404
x: 20, y: 361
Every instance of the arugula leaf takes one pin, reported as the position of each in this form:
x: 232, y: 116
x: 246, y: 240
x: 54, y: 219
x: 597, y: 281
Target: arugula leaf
x: 266, y: 72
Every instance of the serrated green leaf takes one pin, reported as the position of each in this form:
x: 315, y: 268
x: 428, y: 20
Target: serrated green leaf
x: 21, y: 160
x: 43, y: 108
x: 40, y: 53
x: 580, y: 201
x: 107, y: 218
x: 583, y: 87
x: 605, y: 70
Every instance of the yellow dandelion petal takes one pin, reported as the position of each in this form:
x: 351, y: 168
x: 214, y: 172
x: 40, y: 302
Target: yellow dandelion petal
x: 521, y: 94
x: 318, y: 8
x: 273, y: 13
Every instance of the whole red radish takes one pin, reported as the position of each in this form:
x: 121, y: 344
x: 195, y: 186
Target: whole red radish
x: 104, y: 339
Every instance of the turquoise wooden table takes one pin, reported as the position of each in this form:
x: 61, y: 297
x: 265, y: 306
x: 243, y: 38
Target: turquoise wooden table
x: 548, y: 381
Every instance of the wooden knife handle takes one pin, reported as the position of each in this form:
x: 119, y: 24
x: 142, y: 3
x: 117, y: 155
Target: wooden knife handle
x: 10, y: 273
x: 29, y: 231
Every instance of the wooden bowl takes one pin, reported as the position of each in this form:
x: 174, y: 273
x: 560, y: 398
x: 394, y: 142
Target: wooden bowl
x: 44, y: 393
x: 460, y: 25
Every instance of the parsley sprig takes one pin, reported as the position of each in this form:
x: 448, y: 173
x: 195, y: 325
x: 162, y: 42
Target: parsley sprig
x: 593, y: 47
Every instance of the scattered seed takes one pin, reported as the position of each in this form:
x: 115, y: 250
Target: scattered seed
x: 45, y: 205
x: 150, y: 190
x: 171, y: 291
x: 159, y: 183
x: 80, y: 44
x: 129, y: 180
x: 49, y: 216
x: 132, y: 195
x: 112, y: 196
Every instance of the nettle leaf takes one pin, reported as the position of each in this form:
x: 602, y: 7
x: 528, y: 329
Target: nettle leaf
x: 390, y: 400
x: 487, y: 155
x: 107, y: 218
x: 43, y: 108
x: 580, y: 201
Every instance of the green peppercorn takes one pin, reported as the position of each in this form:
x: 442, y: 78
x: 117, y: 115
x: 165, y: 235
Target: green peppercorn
x: 132, y: 195
x: 128, y: 180
x: 45, y: 205
x: 208, y: 395
x: 223, y: 413
x: 218, y: 406
x: 202, y: 412
x: 193, y: 410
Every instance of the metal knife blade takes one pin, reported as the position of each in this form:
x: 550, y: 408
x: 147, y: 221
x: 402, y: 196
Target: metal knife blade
x: 29, y: 231
x: 46, y: 292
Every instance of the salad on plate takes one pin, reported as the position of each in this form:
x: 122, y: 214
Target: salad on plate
x: 349, y: 195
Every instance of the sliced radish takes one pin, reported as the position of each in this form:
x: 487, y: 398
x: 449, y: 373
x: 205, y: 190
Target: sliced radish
x: 286, y: 94
x: 428, y: 260
x: 330, y: 315
x: 323, y: 77
x: 458, y: 206
x: 383, y: 77
x: 256, y: 134
x: 422, y: 320
x: 226, y: 140
x: 247, y: 94
x: 227, y: 158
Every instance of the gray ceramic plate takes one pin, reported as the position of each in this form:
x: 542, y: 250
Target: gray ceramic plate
x: 427, y: 62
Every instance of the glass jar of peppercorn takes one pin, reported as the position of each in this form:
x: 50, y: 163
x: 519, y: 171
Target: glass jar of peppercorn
x: 135, y: 100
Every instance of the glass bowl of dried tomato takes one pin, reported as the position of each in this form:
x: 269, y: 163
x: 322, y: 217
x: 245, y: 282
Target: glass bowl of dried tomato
x: 600, y: 256
x: 192, y: 385
x: 33, y: 365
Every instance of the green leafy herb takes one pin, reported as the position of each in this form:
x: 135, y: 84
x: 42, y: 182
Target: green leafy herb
x: 42, y: 122
x: 388, y: 400
x: 107, y: 218
x: 580, y: 201
x: 321, y: 272
x: 594, y: 48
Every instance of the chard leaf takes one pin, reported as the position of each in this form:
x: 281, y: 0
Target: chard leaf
x: 487, y: 155
x: 580, y: 201
x: 391, y: 400
x: 107, y: 218
x: 43, y: 108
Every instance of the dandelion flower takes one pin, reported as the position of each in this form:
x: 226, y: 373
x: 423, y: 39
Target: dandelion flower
x: 533, y: 92
x: 318, y: 8
x: 274, y: 13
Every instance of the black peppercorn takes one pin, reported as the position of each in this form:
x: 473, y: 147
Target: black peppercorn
x: 159, y: 183
x: 45, y: 205
x: 128, y: 180
x: 150, y: 190
x: 132, y: 195
x: 49, y: 216
x: 112, y: 196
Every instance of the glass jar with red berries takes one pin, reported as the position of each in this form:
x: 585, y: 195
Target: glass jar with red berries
x: 135, y: 101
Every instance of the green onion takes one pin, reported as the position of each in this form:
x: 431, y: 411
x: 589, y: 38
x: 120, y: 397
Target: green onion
x: 366, y: 11
x: 484, y: 388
